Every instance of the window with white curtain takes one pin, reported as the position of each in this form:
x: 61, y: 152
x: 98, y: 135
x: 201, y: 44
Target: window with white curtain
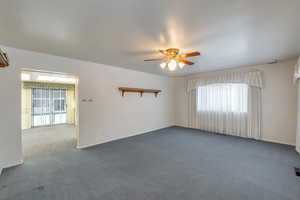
x: 227, y: 98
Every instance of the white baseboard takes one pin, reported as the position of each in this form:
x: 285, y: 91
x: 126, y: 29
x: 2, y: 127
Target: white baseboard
x: 119, y: 138
x: 298, y: 149
x: 183, y: 126
x: 278, y: 142
x: 13, y: 164
x: 262, y: 139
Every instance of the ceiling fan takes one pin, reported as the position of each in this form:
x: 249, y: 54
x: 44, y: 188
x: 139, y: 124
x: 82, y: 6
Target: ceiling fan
x: 172, y: 59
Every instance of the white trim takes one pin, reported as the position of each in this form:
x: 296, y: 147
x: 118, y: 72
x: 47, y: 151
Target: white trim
x: 13, y: 164
x: 263, y: 139
x: 298, y: 149
x: 111, y: 140
x: 277, y: 142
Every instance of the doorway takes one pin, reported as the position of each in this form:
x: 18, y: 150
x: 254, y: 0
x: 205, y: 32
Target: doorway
x: 49, y: 112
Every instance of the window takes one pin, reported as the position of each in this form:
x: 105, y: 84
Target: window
x: 48, y: 106
x: 41, y: 101
x: 59, y: 97
x: 230, y: 97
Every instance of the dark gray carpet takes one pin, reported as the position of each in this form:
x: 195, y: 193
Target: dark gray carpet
x: 172, y: 164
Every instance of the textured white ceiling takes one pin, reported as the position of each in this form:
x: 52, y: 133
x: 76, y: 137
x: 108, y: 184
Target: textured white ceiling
x: 123, y: 33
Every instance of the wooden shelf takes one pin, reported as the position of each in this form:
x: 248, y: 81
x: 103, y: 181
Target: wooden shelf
x: 139, y: 90
x: 3, y: 65
x: 3, y: 60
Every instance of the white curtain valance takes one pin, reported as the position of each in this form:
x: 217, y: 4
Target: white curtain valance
x: 251, y: 78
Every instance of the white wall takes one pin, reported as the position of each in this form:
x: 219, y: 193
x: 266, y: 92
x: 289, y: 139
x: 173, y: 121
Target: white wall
x: 107, y: 118
x: 181, y: 102
x: 279, y: 101
x: 298, y: 104
x: 298, y: 124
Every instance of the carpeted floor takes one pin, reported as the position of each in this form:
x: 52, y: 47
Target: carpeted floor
x: 42, y: 141
x: 169, y: 164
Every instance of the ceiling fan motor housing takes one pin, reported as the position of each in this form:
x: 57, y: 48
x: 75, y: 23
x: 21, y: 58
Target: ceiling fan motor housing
x: 172, y: 52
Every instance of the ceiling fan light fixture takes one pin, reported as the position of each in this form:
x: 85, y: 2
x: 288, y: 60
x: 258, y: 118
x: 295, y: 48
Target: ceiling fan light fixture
x: 172, y: 65
x: 163, y: 65
x: 181, y: 65
x: 172, y: 60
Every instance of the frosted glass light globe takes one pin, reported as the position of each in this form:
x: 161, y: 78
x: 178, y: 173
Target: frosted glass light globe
x: 172, y: 65
x: 163, y: 65
x: 181, y: 65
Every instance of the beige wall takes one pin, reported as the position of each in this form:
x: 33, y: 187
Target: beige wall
x: 108, y: 117
x: 298, y: 125
x: 26, y: 108
x: 71, y: 106
x: 279, y: 100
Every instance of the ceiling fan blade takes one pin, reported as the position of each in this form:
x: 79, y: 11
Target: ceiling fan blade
x: 163, y: 52
x: 186, y: 62
x: 192, y: 54
x: 155, y: 59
